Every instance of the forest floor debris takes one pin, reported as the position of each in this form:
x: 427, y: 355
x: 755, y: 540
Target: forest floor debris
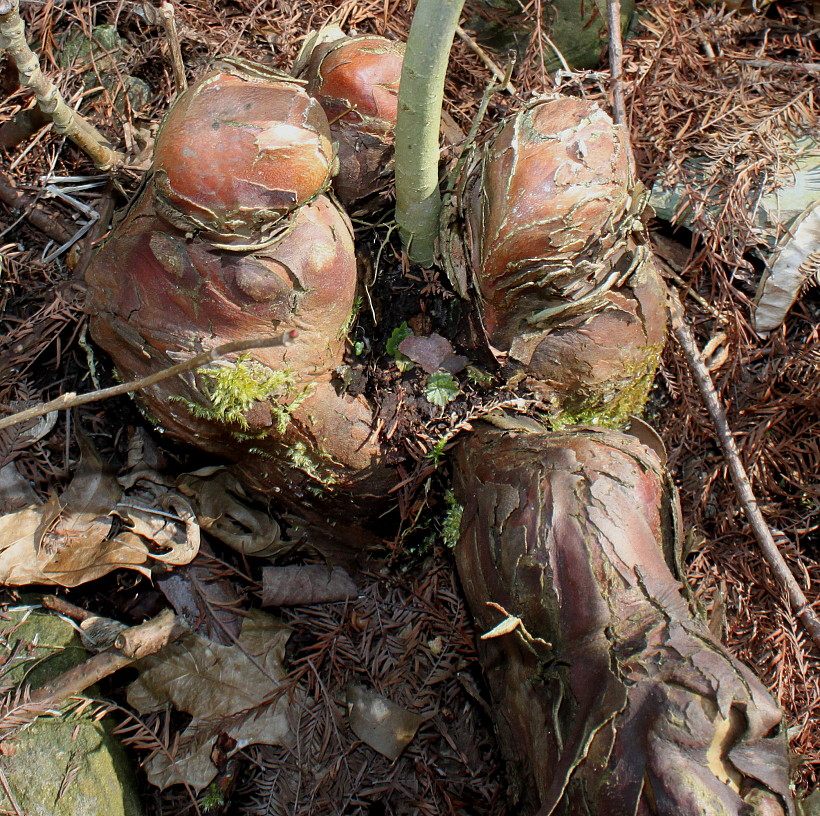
x: 699, y: 82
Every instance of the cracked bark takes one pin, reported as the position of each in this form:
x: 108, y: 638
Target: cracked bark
x: 611, y: 696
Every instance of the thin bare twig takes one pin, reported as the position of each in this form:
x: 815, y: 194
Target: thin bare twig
x: 50, y: 100
x: 72, y: 400
x: 771, y: 554
x: 616, y: 59
x: 7, y: 789
x: 670, y: 272
x: 169, y: 22
x: 495, y: 70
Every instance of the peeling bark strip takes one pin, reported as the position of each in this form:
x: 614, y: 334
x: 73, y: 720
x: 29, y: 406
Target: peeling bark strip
x: 611, y: 697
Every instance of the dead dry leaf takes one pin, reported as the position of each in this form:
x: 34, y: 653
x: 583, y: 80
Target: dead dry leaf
x: 433, y: 353
x: 16, y: 491
x: 306, y: 584
x: 716, y: 352
x: 221, y: 509
x: 383, y: 725
x: 230, y: 690
x: 75, y: 538
x: 202, y: 594
x: 796, y: 261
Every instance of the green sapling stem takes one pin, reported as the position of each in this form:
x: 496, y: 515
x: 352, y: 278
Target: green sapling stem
x: 418, y: 200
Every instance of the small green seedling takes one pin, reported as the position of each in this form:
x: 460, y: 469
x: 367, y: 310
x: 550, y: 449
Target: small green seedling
x: 441, y: 388
x: 400, y: 333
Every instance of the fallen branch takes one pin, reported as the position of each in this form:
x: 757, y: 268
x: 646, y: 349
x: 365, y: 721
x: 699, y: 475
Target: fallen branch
x: 64, y: 607
x: 50, y: 100
x: 72, y: 399
x: 768, y: 548
x: 131, y: 644
x: 616, y: 58
x: 33, y: 211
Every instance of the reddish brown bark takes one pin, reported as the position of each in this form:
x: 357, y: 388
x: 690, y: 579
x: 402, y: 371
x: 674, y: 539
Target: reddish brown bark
x: 356, y: 81
x: 611, y: 697
x: 238, y: 151
x: 181, y: 296
x: 567, y: 286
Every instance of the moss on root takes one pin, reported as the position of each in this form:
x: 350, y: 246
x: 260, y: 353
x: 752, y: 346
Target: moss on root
x: 612, y: 409
x: 233, y: 388
x: 301, y: 458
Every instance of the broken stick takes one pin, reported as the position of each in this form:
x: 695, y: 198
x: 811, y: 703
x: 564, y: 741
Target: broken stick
x: 783, y: 576
x: 616, y: 58
x: 72, y: 400
x: 50, y: 225
x: 131, y: 644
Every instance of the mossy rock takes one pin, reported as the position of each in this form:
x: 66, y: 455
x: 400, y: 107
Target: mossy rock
x: 61, y: 765
x: 99, y: 58
x: 577, y: 29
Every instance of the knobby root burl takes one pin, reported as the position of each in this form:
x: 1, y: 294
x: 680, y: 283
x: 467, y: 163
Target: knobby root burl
x: 611, y: 697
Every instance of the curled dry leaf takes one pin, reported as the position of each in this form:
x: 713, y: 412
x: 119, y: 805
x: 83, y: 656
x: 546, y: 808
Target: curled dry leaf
x: 16, y: 491
x: 795, y: 262
x: 230, y: 690
x: 383, y: 725
x: 611, y: 697
x: 73, y: 539
x: 306, y: 584
x: 222, y: 510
